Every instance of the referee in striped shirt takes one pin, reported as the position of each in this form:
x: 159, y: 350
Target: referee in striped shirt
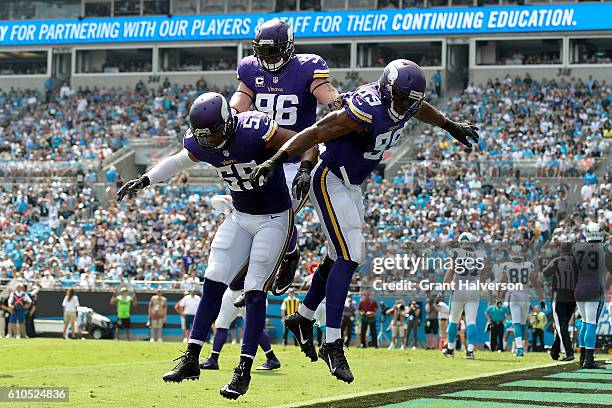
x: 289, y: 307
x: 564, y: 273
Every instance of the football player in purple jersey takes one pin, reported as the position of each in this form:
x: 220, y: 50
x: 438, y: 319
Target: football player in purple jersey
x: 287, y: 86
x: 251, y: 240
x: 356, y: 137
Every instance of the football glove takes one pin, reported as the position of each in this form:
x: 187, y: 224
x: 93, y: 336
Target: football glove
x: 133, y: 186
x: 301, y: 181
x: 465, y: 133
x: 263, y: 172
x: 542, y: 305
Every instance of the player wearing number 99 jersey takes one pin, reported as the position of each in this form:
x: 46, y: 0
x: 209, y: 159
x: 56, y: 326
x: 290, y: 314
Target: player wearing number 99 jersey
x: 356, y: 138
x: 286, y: 86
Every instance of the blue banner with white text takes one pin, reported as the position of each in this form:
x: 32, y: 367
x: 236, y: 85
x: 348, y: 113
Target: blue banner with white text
x: 362, y: 23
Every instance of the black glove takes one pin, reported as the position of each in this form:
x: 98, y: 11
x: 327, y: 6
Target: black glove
x: 542, y: 305
x: 465, y: 133
x: 263, y: 172
x: 133, y: 186
x: 301, y: 181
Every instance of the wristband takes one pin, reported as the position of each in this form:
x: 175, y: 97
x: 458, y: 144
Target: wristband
x: 306, y: 166
x: 145, y: 181
x: 449, y: 125
x: 280, y: 157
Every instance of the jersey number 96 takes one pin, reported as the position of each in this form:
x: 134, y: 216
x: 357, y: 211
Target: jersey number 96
x: 282, y: 108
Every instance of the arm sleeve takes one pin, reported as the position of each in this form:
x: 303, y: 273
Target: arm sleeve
x: 170, y: 166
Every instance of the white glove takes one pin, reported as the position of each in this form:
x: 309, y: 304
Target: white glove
x: 222, y: 203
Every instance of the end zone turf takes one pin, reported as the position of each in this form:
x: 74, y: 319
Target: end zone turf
x: 128, y: 374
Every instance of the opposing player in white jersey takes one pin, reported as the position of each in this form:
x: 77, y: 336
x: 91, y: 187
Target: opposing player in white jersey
x: 594, y: 261
x: 520, y: 274
x: 470, y: 268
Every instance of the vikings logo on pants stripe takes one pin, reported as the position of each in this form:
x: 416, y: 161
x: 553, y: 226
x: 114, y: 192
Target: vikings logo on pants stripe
x: 329, y: 216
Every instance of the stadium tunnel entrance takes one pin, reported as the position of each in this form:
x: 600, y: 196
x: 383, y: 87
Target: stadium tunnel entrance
x: 457, y: 66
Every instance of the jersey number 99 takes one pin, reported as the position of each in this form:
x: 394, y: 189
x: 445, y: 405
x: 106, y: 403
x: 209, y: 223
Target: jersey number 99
x: 382, y: 144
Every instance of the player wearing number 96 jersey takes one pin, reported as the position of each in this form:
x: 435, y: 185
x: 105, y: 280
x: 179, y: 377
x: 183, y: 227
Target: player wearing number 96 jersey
x: 356, y: 138
x: 286, y: 86
x: 251, y: 240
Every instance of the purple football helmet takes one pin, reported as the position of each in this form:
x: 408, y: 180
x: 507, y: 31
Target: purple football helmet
x: 211, y: 121
x: 273, y: 44
x: 402, y: 88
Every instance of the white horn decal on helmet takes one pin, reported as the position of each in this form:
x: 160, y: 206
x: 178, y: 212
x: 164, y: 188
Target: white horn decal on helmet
x: 393, y: 73
x: 224, y: 109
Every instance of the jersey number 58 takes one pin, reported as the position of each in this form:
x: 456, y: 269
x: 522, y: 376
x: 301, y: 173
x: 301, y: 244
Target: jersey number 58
x: 236, y: 175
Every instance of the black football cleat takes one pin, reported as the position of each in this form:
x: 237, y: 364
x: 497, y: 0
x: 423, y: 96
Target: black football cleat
x: 446, y: 352
x: 238, y: 385
x: 270, y: 365
x: 240, y: 301
x: 209, y: 364
x: 188, y: 368
x: 301, y: 328
x: 284, y: 278
x: 582, y: 356
x: 469, y: 355
x: 333, y: 355
x: 568, y: 357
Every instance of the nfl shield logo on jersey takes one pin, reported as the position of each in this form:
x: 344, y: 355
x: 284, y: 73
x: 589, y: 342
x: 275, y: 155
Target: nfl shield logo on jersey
x: 275, y: 80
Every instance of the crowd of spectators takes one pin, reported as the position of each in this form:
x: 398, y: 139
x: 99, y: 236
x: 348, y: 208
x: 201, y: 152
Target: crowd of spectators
x: 88, y: 124
x: 62, y: 235
x: 561, y: 126
x: 24, y: 69
x: 535, y: 58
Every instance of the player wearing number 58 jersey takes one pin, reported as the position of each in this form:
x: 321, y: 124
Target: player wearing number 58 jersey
x: 356, y: 138
x: 251, y: 240
x: 286, y: 86
x: 520, y: 275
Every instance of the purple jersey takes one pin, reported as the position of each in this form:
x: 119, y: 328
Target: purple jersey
x: 285, y: 95
x: 357, y: 154
x: 244, y: 150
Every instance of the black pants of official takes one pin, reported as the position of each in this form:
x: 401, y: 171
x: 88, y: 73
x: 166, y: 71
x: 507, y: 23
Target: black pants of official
x: 347, y: 329
x: 563, y: 312
x: 537, y: 340
x: 286, y: 334
x: 497, y: 336
x: 371, y: 323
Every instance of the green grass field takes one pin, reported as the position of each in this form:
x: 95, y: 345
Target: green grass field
x: 108, y: 373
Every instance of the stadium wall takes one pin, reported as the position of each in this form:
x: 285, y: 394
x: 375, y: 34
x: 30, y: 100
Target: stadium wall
x: 49, y: 307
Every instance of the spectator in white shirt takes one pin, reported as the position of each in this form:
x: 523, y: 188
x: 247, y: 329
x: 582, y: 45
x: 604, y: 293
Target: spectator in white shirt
x: 190, y: 306
x: 48, y: 281
x: 70, y: 305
